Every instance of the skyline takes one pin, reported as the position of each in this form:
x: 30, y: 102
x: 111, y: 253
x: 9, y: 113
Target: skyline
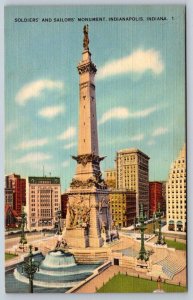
x: 139, y: 80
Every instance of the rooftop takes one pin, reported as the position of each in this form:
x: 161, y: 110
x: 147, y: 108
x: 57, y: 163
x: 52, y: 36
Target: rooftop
x: 42, y: 180
x: 132, y: 150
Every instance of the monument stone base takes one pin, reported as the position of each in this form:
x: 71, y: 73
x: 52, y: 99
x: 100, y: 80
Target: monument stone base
x: 76, y: 238
x: 95, y: 243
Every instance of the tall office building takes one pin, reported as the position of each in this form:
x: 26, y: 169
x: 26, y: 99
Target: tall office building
x: 42, y: 202
x: 15, y: 192
x: 176, y: 194
x: 110, y: 178
x: 123, y: 207
x: 155, y: 197
x: 132, y: 174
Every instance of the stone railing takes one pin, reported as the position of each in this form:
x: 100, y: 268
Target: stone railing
x: 96, y: 272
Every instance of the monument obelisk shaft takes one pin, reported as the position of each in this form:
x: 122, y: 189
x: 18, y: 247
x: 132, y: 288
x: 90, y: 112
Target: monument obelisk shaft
x: 88, y: 206
x: 87, y: 138
x: 87, y: 132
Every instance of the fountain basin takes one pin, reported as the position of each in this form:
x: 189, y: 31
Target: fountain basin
x: 58, y: 271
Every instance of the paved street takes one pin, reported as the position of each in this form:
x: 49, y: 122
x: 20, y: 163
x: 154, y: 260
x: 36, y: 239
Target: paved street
x: 14, y: 241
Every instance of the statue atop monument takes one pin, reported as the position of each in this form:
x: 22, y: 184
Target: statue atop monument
x: 86, y: 39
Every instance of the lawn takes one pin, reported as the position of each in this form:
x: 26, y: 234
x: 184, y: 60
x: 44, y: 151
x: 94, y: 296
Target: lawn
x: 127, y: 284
x: 9, y: 256
x: 176, y: 245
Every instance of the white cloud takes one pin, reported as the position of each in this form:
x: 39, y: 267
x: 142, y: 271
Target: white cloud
x: 137, y: 137
x: 124, y: 113
x: 32, y: 143
x: 67, y: 134
x: 160, y: 131
x: 34, y: 89
x: 70, y: 145
x: 143, y: 113
x: 139, y: 62
x: 114, y: 113
x: 65, y: 163
x: 51, y: 111
x: 33, y: 158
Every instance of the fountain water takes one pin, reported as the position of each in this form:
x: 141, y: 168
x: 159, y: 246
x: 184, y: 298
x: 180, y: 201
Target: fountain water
x: 58, y: 270
x: 58, y: 259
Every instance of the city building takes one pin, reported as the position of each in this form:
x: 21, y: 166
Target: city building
x: 9, y: 196
x: 15, y: 192
x: 43, y: 200
x: 64, y: 201
x: 123, y: 207
x: 110, y: 178
x: 11, y: 217
x: 176, y: 194
x: 163, y: 206
x: 132, y: 167
x: 155, y: 197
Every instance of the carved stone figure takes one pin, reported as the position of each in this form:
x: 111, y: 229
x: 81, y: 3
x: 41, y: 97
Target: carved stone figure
x: 72, y: 212
x: 79, y: 215
x: 76, y: 183
x: 61, y: 243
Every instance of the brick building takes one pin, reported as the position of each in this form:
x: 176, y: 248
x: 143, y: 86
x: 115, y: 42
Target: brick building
x: 11, y: 217
x: 155, y: 196
x: 64, y: 200
x: 15, y: 192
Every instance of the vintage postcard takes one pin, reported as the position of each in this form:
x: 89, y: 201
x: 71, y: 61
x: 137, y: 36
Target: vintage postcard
x: 95, y: 149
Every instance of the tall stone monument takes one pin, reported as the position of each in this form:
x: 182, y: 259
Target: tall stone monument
x: 88, y: 218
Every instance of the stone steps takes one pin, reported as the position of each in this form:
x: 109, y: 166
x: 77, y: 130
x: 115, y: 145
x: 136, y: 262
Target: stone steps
x: 90, y: 257
x: 172, y: 265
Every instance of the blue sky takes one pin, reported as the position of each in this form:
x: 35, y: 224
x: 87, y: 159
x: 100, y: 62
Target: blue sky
x: 140, y: 87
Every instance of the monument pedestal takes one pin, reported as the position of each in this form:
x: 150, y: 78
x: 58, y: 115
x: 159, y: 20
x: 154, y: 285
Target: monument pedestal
x: 86, y: 213
x: 96, y: 243
x: 77, y: 238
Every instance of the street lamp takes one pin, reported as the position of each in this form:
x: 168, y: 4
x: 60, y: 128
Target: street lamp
x: 143, y: 255
x: 23, y: 239
x: 59, y: 215
x: 29, y: 268
x: 160, y: 240
x: 154, y: 223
